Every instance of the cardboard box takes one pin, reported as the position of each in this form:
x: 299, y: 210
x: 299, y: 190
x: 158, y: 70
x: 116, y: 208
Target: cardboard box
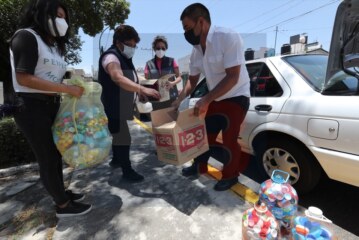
x: 160, y: 86
x: 179, y: 136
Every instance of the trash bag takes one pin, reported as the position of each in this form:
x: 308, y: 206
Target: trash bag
x: 80, y: 130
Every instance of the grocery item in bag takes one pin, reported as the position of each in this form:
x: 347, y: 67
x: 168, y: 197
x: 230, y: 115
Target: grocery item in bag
x: 80, y: 129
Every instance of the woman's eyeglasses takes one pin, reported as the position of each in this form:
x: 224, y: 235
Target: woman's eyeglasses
x: 164, y: 49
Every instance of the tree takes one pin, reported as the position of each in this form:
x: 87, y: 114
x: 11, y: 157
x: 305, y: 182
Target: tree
x: 90, y: 15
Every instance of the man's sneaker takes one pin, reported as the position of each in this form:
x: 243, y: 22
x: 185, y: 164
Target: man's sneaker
x: 132, y: 176
x: 73, y: 209
x: 75, y: 197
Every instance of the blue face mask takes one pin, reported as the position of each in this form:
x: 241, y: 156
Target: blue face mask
x: 128, y: 51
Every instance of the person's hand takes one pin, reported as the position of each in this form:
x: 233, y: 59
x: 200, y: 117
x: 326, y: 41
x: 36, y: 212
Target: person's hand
x: 170, y: 85
x: 75, y: 91
x: 201, y: 107
x: 149, y: 92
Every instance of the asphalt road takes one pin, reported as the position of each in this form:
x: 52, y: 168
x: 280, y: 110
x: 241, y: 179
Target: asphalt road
x: 338, y: 201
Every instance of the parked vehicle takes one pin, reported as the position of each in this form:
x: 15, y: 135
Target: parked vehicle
x: 292, y: 126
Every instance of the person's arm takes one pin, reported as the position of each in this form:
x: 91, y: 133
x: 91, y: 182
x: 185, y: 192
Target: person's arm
x: 25, y: 51
x: 178, y: 77
x: 116, y: 74
x: 177, y: 73
x: 31, y: 81
x: 233, y: 57
x: 146, y: 72
x: 228, y: 82
x: 188, y: 89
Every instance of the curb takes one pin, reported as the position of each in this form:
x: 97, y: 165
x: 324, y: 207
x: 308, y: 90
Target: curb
x: 243, y: 191
x: 18, y: 169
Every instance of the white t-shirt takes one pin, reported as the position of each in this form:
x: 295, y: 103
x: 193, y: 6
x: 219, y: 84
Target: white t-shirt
x: 50, y: 65
x: 224, y: 49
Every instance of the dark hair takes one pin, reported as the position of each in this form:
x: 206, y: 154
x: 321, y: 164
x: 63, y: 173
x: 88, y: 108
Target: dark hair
x: 159, y: 39
x: 124, y: 33
x: 194, y: 11
x: 35, y: 15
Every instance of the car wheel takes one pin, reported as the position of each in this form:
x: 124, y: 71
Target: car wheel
x: 290, y: 156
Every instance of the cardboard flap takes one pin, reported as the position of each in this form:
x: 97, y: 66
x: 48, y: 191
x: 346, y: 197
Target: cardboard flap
x: 168, y: 76
x: 163, y: 116
x: 148, y: 82
x: 187, y: 116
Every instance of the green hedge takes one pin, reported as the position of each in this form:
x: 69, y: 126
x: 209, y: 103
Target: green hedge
x: 14, y: 148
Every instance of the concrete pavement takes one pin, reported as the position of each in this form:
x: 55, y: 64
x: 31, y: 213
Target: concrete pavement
x: 165, y: 206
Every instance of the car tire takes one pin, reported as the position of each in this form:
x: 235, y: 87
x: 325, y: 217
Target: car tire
x: 290, y: 156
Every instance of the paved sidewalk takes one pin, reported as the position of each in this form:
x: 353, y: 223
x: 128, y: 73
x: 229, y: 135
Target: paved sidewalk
x: 165, y: 206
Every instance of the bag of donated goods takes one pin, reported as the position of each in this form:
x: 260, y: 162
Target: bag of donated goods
x: 80, y: 129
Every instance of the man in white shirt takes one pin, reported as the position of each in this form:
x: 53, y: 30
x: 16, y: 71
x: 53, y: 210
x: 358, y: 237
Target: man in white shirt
x: 218, y: 54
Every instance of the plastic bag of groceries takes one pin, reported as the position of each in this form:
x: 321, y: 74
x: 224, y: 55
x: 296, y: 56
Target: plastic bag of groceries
x: 80, y: 129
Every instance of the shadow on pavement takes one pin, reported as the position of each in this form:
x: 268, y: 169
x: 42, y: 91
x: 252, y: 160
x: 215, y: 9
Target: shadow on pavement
x: 105, y: 206
x: 164, y: 182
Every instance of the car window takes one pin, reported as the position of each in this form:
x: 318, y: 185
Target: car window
x: 200, y: 90
x: 311, y: 67
x: 341, y: 84
x: 262, y: 81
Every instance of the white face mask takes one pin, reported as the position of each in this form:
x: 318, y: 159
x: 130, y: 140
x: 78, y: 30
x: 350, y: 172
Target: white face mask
x: 128, y: 51
x: 61, y: 26
x: 160, y: 53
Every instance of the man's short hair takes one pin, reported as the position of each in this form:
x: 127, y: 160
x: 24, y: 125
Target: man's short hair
x: 194, y: 11
x: 125, y: 33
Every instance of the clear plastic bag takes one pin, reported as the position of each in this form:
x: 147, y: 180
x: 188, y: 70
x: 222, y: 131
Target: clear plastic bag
x: 80, y: 130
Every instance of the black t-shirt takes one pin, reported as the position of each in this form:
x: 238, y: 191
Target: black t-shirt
x: 25, y: 50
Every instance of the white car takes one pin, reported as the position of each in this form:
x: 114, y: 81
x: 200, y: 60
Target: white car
x: 297, y: 125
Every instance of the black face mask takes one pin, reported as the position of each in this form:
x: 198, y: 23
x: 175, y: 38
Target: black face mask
x: 191, y: 38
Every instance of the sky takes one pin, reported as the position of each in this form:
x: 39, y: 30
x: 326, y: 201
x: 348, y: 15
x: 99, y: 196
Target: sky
x: 255, y: 20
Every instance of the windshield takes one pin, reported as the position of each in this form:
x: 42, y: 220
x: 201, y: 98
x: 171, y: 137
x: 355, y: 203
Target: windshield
x: 313, y: 69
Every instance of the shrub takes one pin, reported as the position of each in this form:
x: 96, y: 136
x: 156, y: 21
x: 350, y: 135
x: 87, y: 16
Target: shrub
x: 14, y: 148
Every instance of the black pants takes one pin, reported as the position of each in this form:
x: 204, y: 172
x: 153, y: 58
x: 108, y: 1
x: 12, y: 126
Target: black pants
x: 35, y: 120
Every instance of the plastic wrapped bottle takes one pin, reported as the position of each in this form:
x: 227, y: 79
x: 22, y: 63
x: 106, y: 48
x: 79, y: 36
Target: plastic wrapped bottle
x: 281, y: 199
x: 312, y: 226
x: 259, y: 223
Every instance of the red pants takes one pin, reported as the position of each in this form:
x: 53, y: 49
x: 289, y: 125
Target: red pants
x: 226, y: 116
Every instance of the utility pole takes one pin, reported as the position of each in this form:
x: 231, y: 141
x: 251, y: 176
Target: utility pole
x: 275, y: 41
x: 100, y: 48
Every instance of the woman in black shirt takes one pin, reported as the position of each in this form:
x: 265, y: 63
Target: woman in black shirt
x: 36, y: 53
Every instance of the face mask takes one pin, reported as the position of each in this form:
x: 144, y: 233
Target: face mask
x: 61, y: 26
x: 191, y: 38
x: 160, y: 53
x: 128, y: 51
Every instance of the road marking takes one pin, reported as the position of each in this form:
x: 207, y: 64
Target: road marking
x: 240, y: 189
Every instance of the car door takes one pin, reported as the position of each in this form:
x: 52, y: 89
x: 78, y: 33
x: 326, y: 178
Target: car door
x: 269, y: 91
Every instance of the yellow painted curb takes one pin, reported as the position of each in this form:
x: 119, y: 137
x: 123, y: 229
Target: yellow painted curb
x: 240, y: 189
x: 147, y: 128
